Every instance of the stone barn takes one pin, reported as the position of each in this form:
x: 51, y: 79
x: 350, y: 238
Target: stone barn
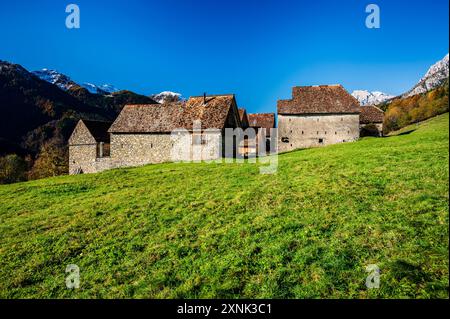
x: 371, y: 121
x: 89, y: 147
x: 156, y: 133
x: 262, y: 123
x: 317, y: 116
x: 142, y: 134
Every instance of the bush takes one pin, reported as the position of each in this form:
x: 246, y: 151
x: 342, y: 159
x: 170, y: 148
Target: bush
x: 13, y: 169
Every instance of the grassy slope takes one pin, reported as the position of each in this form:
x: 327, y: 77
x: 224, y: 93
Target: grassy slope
x: 224, y: 230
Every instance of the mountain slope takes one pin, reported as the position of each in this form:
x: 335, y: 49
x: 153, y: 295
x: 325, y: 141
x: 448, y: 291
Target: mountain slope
x: 435, y: 77
x: 27, y: 102
x: 308, y: 231
x: 371, y: 98
x: 402, y: 111
x: 33, y: 111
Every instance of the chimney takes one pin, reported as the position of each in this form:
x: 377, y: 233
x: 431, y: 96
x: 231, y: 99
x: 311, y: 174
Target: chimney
x: 204, y: 98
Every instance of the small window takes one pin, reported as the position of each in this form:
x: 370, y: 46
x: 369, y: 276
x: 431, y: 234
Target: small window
x: 320, y: 140
x: 285, y: 139
x: 335, y: 133
x: 348, y: 132
x: 317, y: 132
x: 325, y: 132
x: 342, y: 119
x: 303, y: 132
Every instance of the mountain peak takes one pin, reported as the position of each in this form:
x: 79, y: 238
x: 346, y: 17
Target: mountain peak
x: 166, y: 96
x: 56, y: 78
x: 65, y: 83
x: 435, y: 76
x: 371, y: 98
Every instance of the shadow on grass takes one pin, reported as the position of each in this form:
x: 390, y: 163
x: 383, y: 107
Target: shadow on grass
x: 402, y: 133
x: 403, y: 269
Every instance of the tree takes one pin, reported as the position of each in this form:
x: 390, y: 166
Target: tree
x: 12, y: 169
x: 52, y: 160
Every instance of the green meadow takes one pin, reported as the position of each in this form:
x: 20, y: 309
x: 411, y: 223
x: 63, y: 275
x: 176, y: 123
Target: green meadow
x: 209, y: 230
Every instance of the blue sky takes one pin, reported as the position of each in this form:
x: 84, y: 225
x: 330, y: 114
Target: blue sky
x: 254, y: 48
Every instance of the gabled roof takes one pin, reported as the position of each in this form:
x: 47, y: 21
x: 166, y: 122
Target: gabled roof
x: 212, y: 111
x: 319, y: 99
x: 265, y: 120
x: 98, y: 130
x: 243, y: 117
x: 371, y: 114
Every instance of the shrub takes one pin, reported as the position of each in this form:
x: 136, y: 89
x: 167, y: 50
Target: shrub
x: 12, y: 169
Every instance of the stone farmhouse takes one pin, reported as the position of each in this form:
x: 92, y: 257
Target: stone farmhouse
x: 144, y: 134
x: 371, y: 121
x: 196, y: 129
x: 317, y: 116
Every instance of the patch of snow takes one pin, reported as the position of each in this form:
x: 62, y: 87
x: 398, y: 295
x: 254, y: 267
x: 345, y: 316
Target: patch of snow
x: 54, y: 77
x: 166, y: 96
x: 371, y: 98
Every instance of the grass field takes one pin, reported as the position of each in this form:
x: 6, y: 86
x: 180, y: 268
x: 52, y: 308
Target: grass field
x: 225, y: 230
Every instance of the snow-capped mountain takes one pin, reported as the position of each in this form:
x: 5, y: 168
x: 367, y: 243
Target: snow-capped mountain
x: 102, y: 89
x: 166, y: 96
x: 54, y: 77
x: 435, y: 77
x: 371, y: 98
x: 65, y: 83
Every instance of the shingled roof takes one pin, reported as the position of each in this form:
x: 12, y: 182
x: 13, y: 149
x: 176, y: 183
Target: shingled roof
x: 165, y: 118
x: 265, y: 120
x: 98, y: 129
x: 319, y: 99
x: 371, y: 114
x: 243, y: 117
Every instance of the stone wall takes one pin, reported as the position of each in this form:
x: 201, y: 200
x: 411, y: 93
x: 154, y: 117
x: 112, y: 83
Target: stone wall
x: 82, y: 157
x: 305, y: 131
x: 141, y: 149
x: 83, y: 152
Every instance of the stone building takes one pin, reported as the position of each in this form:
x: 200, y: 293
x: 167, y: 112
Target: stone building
x: 89, y: 147
x: 263, y: 123
x: 317, y: 116
x: 142, y: 134
x: 371, y: 121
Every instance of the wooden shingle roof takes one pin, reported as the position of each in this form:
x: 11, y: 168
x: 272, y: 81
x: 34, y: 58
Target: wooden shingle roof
x: 165, y: 118
x: 319, y: 99
x: 265, y: 120
x: 371, y: 114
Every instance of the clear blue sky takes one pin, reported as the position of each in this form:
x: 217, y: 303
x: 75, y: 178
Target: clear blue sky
x: 254, y: 48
